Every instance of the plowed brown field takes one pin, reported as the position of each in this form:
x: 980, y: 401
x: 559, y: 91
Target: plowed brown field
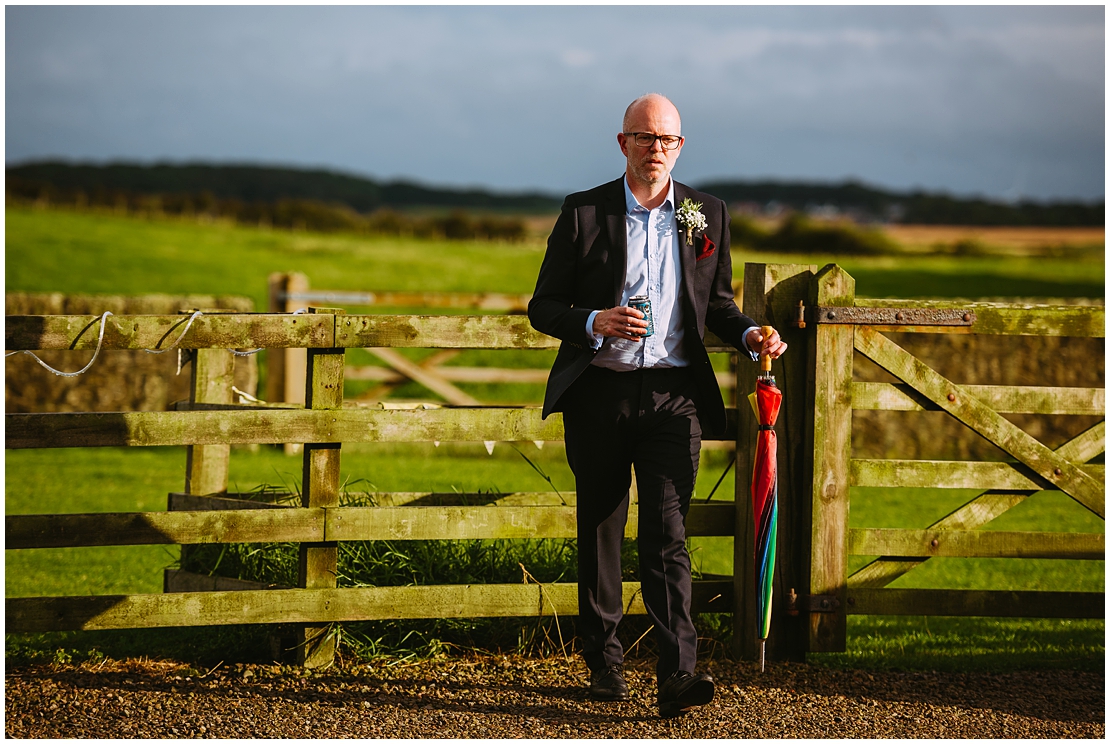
x: 1017, y: 238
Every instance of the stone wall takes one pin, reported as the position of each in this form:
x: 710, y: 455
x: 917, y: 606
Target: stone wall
x: 119, y: 380
x: 977, y: 360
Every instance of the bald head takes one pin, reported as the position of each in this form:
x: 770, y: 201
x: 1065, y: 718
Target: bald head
x: 652, y: 152
x: 655, y: 103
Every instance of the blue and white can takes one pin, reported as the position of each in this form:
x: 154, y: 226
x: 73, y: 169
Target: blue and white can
x: 643, y: 304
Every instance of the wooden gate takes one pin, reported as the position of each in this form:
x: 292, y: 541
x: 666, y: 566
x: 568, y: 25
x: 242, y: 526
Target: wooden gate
x: 840, y: 326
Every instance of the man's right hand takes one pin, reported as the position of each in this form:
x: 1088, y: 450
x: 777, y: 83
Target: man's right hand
x: 620, y: 322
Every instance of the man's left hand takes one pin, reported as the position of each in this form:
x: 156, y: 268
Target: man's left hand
x: 771, y: 346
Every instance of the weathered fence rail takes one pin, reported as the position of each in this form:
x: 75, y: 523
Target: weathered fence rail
x: 127, y: 381
x: 814, y: 589
x: 289, y: 292
x: 321, y: 525
x: 311, y: 606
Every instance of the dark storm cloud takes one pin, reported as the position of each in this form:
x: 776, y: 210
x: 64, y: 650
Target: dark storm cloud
x: 997, y: 100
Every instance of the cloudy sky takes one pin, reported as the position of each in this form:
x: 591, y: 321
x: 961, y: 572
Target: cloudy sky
x: 1001, y: 101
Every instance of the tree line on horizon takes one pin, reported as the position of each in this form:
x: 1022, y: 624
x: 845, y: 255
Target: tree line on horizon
x: 327, y: 200
x: 862, y: 203
x: 284, y: 212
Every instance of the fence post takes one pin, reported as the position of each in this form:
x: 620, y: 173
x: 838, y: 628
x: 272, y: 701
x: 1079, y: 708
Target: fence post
x: 206, y: 466
x: 286, y: 368
x: 771, y: 294
x: 320, y: 488
x: 827, y: 466
x: 212, y: 377
x: 285, y: 373
x: 275, y: 358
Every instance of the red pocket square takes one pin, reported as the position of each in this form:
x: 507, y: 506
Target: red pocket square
x: 707, y: 248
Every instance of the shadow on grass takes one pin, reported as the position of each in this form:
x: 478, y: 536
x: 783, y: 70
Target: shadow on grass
x: 969, y: 644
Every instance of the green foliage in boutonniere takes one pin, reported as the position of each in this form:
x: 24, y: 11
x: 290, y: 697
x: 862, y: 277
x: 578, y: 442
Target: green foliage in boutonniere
x: 689, y: 216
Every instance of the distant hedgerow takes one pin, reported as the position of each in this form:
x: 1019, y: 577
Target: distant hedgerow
x: 799, y: 234
x: 292, y: 214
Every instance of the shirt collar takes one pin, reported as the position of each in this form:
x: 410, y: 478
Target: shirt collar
x: 630, y: 203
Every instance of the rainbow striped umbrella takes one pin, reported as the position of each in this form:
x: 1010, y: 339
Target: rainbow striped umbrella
x: 765, y: 401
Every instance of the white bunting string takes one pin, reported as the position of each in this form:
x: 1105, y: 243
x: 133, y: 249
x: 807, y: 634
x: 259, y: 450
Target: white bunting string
x: 100, y: 342
x: 245, y: 397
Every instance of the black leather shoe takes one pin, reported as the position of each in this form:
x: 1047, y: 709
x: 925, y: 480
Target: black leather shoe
x: 682, y: 691
x: 608, y: 684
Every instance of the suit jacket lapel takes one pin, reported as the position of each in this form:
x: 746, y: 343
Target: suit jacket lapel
x: 618, y: 238
x: 686, y: 252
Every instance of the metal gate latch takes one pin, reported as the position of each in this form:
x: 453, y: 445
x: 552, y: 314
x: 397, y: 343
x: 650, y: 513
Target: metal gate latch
x: 811, y: 603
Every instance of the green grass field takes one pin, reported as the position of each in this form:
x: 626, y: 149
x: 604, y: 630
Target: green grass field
x: 81, y: 252
x: 100, y: 253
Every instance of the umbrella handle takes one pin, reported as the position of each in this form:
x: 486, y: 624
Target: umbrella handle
x: 764, y: 360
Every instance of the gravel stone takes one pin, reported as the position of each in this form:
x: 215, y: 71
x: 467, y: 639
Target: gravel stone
x: 525, y: 697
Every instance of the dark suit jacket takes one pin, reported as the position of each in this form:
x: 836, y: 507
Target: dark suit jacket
x: 584, y: 269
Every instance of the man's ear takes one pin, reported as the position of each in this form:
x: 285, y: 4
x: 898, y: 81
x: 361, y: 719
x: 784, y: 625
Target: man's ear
x: 623, y: 142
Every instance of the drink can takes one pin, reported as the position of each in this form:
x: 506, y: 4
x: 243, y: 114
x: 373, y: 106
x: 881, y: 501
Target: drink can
x: 643, y: 304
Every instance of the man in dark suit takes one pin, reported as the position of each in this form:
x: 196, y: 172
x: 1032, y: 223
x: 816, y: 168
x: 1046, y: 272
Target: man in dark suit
x: 634, y: 399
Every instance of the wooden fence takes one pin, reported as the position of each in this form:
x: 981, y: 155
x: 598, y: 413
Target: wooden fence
x: 291, y: 291
x: 813, y: 591
x: 210, y: 423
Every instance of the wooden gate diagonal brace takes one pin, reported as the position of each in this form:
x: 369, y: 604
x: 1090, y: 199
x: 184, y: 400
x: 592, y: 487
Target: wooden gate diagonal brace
x: 427, y: 377
x: 984, y: 508
x: 1085, y: 446
x: 982, y: 419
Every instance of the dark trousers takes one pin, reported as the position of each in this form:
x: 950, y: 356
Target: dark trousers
x: 613, y: 421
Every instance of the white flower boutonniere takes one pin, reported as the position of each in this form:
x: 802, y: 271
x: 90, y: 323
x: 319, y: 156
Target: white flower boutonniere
x: 689, y: 216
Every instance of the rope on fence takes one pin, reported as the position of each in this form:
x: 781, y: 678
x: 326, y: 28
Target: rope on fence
x: 245, y: 397
x: 100, y: 342
x: 196, y: 314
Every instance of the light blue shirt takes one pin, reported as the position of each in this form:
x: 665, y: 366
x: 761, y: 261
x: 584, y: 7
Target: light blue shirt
x: 652, y: 268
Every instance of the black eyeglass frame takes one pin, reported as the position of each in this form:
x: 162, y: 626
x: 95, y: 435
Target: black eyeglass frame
x: 675, y: 146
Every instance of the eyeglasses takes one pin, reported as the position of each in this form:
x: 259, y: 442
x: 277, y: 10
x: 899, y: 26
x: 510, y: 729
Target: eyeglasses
x: 647, y: 139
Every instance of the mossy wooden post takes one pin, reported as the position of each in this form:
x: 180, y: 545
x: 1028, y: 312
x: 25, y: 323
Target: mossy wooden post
x: 206, y: 466
x: 320, y: 488
x: 827, y: 467
x: 212, y: 377
x: 771, y: 293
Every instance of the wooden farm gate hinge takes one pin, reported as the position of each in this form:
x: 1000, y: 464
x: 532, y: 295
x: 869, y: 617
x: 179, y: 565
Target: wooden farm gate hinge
x: 884, y: 316
x: 811, y: 603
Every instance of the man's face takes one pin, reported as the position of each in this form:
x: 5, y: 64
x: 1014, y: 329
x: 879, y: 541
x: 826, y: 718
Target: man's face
x: 651, y: 165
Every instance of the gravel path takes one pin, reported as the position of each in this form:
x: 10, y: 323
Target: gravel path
x: 511, y: 697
